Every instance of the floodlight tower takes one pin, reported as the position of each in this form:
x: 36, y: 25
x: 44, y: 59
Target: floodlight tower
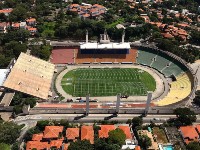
x: 118, y: 103
x: 86, y: 40
x: 149, y: 98
x: 87, y: 104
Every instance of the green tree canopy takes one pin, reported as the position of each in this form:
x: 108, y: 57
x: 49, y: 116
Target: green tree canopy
x: 116, y: 136
x: 144, y: 141
x: 137, y: 121
x: 193, y: 146
x: 4, y: 146
x: 185, y: 115
x: 9, y: 132
x: 80, y: 145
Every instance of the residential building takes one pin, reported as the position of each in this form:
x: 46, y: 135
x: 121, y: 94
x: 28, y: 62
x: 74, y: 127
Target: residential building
x: 3, y: 27
x: 52, y: 132
x: 87, y: 133
x: 189, y: 134
x: 22, y: 25
x: 105, y: 129
x: 72, y: 133
x: 6, y: 11
x: 31, y: 21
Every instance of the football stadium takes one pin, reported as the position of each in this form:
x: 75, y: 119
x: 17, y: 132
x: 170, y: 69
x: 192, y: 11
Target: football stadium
x: 106, y: 68
x: 103, y: 70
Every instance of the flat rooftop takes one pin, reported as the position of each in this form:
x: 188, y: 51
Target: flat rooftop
x: 31, y: 75
x: 105, y: 46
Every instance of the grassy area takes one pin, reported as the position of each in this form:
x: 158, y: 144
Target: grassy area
x: 161, y: 137
x: 108, y: 82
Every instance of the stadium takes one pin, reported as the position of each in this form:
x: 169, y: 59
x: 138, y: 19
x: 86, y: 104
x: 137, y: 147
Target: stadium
x: 102, y: 70
x: 105, y: 69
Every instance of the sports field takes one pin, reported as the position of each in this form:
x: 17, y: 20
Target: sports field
x: 107, y: 82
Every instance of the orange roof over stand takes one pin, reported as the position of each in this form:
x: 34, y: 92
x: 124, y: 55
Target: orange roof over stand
x: 189, y: 134
x: 103, y: 133
x: 37, y: 137
x: 38, y: 145
x: 127, y: 131
x: 87, y: 133
x: 52, y: 131
x: 72, y: 133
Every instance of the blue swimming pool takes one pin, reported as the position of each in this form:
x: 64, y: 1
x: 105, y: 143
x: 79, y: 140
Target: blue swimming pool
x: 168, y: 147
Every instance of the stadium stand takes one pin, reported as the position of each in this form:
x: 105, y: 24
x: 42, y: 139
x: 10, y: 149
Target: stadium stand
x: 175, y: 69
x: 98, y: 58
x: 179, y: 90
x: 161, y: 61
x: 62, y: 55
x: 146, y: 57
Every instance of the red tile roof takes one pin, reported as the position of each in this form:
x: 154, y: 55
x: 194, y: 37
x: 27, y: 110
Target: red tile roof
x: 189, y: 134
x: 87, y: 133
x: 31, y: 20
x: 72, y: 133
x: 36, y: 144
x: 127, y: 131
x: 103, y: 133
x: 56, y: 143
x: 52, y: 131
x: 37, y: 137
x: 8, y: 10
x: 137, y: 148
x: 66, y: 146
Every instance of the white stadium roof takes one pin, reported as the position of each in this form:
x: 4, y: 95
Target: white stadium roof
x: 105, y: 46
x: 31, y: 75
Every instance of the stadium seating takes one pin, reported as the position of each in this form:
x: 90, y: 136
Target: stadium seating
x: 179, y: 90
x: 174, y: 68
x: 91, y: 58
x: 161, y: 61
x: 145, y: 57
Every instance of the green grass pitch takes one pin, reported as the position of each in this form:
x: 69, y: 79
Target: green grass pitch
x: 108, y: 82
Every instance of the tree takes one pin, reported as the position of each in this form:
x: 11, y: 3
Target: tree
x: 41, y: 124
x: 4, y: 146
x: 116, y: 136
x: 185, y: 115
x: 144, y: 141
x: 193, y: 146
x: 80, y: 145
x: 15, y: 146
x: 9, y: 132
x: 101, y: 144
x: 30, y: 133
x: 137, y: 121
x: 30, y: 101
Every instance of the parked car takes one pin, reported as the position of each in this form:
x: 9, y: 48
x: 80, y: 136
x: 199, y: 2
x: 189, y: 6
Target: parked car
x: 79, y: 98
x: 124, y: 96
x: 69, y: 100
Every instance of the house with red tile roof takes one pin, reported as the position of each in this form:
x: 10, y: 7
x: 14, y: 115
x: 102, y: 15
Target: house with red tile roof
x: 189, y: 134
x: 105, y: 129
x: 87, y: 133
x: 32, y: 30
x: 52, y: 132
x: 37, y: 145
x: 6, y: 11
x: 37, y: 137
x: 16, y: 25
x: 56, y: 144
x: 72, y: 133
x: 3, y: 27
x: 31, y: 21
x: 137, y: 147
x: 65, y: 146
x: 127, y: 132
